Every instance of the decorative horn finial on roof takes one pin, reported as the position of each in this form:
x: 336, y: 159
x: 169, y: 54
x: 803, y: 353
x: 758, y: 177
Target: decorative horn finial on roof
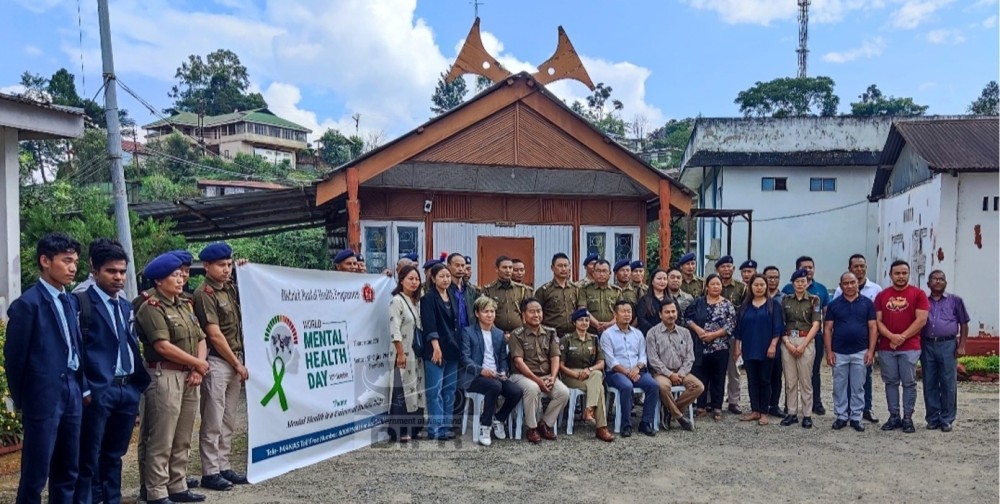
x: 473, y: 59
x: 564, y: 64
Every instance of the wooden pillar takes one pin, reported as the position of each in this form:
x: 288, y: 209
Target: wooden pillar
x: 664, y: 224
x: 353, y: 210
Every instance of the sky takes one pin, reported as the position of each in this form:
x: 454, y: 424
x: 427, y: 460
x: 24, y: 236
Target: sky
x: 320, y: 62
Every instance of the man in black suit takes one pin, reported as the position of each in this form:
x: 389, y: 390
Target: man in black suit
x: 45, y: 373
x: 115, y: 373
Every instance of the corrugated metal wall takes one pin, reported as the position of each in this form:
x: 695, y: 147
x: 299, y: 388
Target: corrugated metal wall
x: 462, y: 237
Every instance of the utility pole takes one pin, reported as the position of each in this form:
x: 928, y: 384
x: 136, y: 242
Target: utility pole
x: 803, y: 50
x: 115, y: 148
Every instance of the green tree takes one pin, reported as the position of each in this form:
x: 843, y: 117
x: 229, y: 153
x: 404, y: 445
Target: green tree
x: 988, y: 101
x: 673, y: 137
x: 603, y: 111
x: 158, y: 187
x: 678, y: 237
x: 337, y: 149
x: 789, y: 97
x: 174, y: 157
x: 297, y: 249
x: 218, y: 84
x: 448, y: 96
x: 873, y: 103
x: 90, y: 161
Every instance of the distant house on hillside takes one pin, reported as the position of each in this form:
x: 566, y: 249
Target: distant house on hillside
x: 255, y: 132
x: 806, y: 179
x: 210, y: 187
x: 938, y: 199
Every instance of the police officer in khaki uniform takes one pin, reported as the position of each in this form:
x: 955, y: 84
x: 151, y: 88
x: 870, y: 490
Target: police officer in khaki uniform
x: 507, y: 294
x: 217, y: 306
x: 691, y: 283
x: 623, y: 280
x: 559, y: 297
x: 601, y: 297
x: 639, y: 278
x: 519, y: 272
x: 175, y: 354
x: 581, y: 367
x: 802, y: 320
x: 588, y: 265
x: 733, y: 290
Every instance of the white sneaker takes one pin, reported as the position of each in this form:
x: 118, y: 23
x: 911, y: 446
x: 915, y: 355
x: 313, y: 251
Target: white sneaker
x: 484, y: 435
x: 498, y: 430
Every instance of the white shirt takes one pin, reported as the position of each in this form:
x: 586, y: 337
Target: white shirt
x: 108, y: 307
x: 870, y: 290
x: 489, y: 360
x: 74, y: 359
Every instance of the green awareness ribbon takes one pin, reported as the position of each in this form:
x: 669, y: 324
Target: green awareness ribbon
x: 277, y: 389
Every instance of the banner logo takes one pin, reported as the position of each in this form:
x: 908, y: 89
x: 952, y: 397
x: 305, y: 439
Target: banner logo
x: 282, y: 354
x: 368, y: 293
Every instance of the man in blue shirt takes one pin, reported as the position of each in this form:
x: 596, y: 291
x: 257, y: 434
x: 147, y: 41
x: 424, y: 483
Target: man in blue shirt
x: 625, y: 358
x: 849, y: 339
x: 946, y: 321
x: 819, y: 290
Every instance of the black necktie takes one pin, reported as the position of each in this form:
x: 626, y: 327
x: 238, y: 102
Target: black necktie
x: 74, y: 359
x: 122, y: 338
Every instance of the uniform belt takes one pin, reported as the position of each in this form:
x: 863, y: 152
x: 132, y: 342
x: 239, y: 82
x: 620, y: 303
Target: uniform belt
x: 171, y: 366
x: 121, y: 380
x: 937, y: 338
x: 795, y: 333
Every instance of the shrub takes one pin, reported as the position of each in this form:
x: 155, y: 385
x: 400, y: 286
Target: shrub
x: 11, y: 430
x: 980, y: 363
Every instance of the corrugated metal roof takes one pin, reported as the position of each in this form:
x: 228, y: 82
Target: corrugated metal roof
x: 52, y: 106
x: 261, y: 116
x: 247, y: 184
x: 967, y: 144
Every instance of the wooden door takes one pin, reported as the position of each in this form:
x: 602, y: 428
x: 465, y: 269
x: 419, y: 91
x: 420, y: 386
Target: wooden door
x: 488, y: 248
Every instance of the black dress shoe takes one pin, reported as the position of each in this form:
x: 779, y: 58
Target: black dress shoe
x: 735, y: 409
x: 776, y: 412
x: 946, y: 427
x: 839, y: 423
x: 908, y: 426
x: 869, y: 416
x: 216, y: 482
x: 807, y: 423
x: 234, y: 477
x: 789, y: 420
x: 933, y: 426
x: 187, y: 496
x: 647, y: 429
x: 891, y: 424
x: 164, y: 500
x: 856, y: 425
x: 685, y: 424
x: 819, y: 410
x: 626, y: 431
x: 192, y: 482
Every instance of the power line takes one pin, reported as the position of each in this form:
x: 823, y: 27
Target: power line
x: 79, y: 25
x: 796, y: 216
x: 244, y: 176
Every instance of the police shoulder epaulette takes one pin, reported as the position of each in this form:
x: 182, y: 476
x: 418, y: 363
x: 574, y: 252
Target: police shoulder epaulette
x: 145, y: 295
x: 151, y: 301
x: 208, y: 289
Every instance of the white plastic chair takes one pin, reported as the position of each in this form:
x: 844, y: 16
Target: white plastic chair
x: 515, y: 423
x: 475, y: 402
x: 574, y: 396
x: 612, y: 395
x: 677, y: 390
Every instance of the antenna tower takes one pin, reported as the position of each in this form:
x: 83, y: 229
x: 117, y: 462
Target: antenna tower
x: 803, y: 50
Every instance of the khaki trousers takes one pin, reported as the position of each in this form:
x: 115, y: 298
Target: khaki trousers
x: 733, y: 377
x: 594, y: 388
x: 220, y: 396
x: 170, y: 410
x: 692, y: 389
x: 532, y: 397
x: 798, y: 378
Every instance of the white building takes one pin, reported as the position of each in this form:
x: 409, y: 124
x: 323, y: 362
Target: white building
x: 938, y: 196
x: 806, y: 179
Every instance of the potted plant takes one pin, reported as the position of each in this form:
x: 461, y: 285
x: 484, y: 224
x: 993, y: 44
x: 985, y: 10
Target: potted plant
x: 11, y: 429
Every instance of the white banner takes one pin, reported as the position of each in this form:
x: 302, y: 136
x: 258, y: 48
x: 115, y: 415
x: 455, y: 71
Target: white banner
x: 316, y: 346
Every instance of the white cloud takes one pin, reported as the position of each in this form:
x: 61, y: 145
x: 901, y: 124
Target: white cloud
x: 990, y: 22
x: 927, y: 85
x: 763, y: 12
x: 868, y: 49
x: 283, y: 99
x: 943, y: 36
x: 914, y: 12
x: 31, y: 50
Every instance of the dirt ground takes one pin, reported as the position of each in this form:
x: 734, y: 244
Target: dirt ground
x: 727, y: 462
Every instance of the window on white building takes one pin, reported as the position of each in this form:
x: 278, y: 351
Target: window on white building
x: 817, y: 184
x: 774, y: 183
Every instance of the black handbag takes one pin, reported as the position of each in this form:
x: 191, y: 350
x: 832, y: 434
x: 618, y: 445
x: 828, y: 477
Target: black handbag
x: 418, y: 335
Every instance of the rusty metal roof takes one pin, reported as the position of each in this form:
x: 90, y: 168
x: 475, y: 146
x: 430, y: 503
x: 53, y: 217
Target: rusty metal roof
x: 954, y: 144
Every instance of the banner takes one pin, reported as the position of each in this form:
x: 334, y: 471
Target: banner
x: 317, y: 347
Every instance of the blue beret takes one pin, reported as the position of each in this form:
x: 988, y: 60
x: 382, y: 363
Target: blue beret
x: 468, y: 260
x: 621, y: 264
x: 579, y: 314
x: 412, y: 256
x: 749, y: 263
x: 591, y: 258
x: 799, y: 274
x: 430, y: 264
x: 360, y: 257
x: 636, y: 264
x: 216, y: 252
x: 186, y: 257
x: 162, y: 266
x: 343, y: 255
x: 724, y: 260
x: 686, y: 258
